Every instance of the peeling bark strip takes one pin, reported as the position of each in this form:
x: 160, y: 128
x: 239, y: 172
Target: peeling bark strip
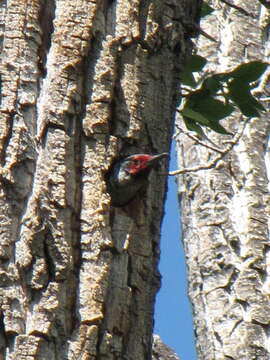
x: 82, y: 83
x: 226, y: 209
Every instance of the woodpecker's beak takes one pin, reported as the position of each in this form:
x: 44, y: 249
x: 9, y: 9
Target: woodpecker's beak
x: 155, y: 159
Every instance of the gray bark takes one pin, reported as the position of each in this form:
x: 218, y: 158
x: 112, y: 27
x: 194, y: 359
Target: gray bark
x: 162, y: 351
x: 225, y: 209
x: 83, y: 82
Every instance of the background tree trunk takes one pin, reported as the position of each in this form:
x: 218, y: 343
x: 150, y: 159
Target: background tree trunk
x: 82, y: 83
x: 225, y: 210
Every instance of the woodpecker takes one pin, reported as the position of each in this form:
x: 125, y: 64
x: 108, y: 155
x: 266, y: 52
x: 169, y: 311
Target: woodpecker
x: 129, y: 175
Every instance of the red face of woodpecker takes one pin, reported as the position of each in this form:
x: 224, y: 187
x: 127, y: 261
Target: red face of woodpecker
x: 138, y: 163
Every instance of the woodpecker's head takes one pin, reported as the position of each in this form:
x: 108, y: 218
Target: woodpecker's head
x: 140, y: 163
x: 133, y: 169
x: 129, y: 175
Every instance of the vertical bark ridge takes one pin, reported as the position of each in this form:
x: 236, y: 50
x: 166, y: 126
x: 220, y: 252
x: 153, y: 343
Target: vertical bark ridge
x: 19, y: 43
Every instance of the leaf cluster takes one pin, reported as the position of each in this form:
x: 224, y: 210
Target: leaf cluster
x: 218, y: 95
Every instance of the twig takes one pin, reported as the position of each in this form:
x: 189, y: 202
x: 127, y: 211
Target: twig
x: 212, y: 163
x: 198, y: 141
x: 265, y: 99
x: 186, y: 89
x: 202, y: 32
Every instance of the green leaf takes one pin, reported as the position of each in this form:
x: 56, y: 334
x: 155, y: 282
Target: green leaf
x: 188, y: 112
x: 196, y: 96
x: 219, y: 128
x: 250, y: 71
x: 239, y: 93
x: 188, y: 79
x: 196, y: 63
x: 208, y: 111
x: 192, y: 118
x: 193, y: 126
x: 213, y: 109
x: 206, y: 9
x: 257, y: 104
x: 212, y: 83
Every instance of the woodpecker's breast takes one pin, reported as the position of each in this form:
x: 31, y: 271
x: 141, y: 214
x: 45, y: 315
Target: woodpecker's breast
x: 124, y: 187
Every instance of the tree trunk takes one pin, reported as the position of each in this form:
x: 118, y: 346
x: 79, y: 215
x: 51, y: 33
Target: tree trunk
x: 82, y: 83
x: 161, y: 351
x: 225, y: 209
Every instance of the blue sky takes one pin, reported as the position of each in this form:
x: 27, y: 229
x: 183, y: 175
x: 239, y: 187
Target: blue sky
x: 173, y: 321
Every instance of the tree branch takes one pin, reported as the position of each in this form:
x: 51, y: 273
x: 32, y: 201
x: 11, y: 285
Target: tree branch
x: 216, y: 159
x: 198, y: 141
x: 203, y: 33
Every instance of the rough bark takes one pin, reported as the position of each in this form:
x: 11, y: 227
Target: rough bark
x: 162, y: 351
x: 83, y: 82
x: 225, y: 210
